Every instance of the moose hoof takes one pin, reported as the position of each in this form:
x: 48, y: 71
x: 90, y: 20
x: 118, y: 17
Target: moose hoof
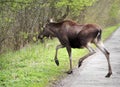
x: 69, y: 72
x: 57, y: 62
x: 79, y: 64
x: 108, y: 75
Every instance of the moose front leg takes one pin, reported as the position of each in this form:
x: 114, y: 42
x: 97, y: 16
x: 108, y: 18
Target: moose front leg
x: 70, y: 59
x: 56, y: 59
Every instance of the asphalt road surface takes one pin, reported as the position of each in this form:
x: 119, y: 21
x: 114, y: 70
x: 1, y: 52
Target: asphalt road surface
x: 93, y: 70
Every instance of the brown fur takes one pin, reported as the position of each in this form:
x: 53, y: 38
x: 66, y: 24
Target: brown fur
x: 73, y: 35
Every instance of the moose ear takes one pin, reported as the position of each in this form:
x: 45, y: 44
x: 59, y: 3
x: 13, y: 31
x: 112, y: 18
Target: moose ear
x: 50, y: 20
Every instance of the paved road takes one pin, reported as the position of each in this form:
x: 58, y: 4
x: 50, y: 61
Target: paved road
x: 93, y: 70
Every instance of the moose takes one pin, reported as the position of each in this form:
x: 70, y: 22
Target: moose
x: 73, y: 35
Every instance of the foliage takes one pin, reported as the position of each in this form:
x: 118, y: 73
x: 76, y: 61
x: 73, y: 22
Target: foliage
x: 115, y: 9
x: 75, y: 5
x: 21, y: 20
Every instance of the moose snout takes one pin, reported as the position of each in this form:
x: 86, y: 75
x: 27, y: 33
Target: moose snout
x: 41, y: 37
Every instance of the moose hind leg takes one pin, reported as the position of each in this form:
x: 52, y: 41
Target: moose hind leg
x: 91, y: 52
x: 106, y: 53
x: 109, y: 65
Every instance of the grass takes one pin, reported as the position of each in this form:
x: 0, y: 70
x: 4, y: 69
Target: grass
x: 108, y: 32
x: 33, y: 66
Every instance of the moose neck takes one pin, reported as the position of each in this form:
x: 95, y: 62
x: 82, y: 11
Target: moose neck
x: 54, y: 27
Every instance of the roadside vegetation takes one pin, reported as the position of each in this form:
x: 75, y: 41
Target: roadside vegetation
x: 33, y: 65
x: 22, y: 20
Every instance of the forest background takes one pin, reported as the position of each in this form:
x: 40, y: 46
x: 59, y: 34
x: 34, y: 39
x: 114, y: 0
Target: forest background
x: 22, y: 20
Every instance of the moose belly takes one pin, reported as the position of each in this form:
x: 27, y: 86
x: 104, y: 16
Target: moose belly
x: 74, y: 43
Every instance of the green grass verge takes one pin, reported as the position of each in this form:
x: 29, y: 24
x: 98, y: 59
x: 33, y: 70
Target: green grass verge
x: 33, y: 66
x: 108, y: 31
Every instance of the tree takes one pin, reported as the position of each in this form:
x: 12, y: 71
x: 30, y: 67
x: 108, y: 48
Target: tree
x: 22, y: 20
